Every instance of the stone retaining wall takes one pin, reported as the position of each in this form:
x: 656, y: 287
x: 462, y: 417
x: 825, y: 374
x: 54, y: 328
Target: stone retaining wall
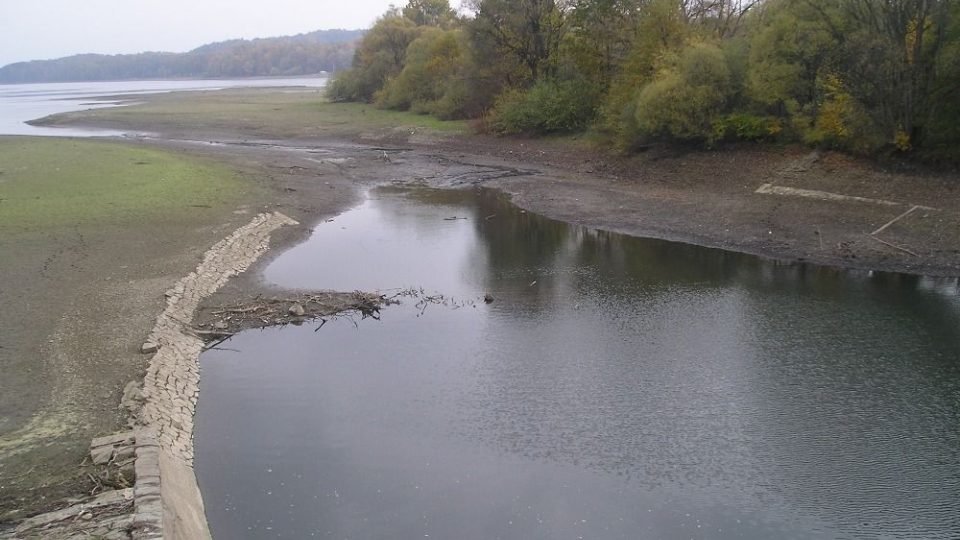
x: 147, y: 505
x: 172, y: 381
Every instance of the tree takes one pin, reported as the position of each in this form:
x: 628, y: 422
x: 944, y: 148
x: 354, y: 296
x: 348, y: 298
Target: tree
x: 293, y: 55
x: 429, y: 12
x: 942, y: 133
x: 723, y: 17
x: 600, y: 35
x: 379, y: 57
x: 431, y: 80
x: 789, y: 51
x: 530, y: 31
x: 686, y: 101
x: 888, y: 57
x: 662, y: 30
x: 859, y: 75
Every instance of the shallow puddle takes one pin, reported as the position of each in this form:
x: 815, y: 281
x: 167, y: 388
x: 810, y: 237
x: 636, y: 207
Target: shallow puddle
x: 615, y: 388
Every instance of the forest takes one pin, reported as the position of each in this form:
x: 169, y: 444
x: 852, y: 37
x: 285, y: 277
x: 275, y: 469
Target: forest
x: 304, y: 54
x: 868, y: 77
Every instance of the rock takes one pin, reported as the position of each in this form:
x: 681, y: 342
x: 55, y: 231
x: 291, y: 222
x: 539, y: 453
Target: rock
x: 125, y: 453
x: 132, y: 397
x: 149, y: 348
x: 123, y: 438
x: 127, y: 472
x: 297, y: 310
x: 101, y: 455
x: 220, y: 325
x: 488, y: 298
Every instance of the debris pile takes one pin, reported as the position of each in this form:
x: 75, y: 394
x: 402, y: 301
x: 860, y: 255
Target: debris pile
x: 215, y: 324
x: 113, y: 510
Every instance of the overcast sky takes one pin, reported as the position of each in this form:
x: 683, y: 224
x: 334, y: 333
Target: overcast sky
x: 41, y: 29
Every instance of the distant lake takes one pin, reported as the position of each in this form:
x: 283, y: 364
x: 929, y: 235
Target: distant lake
x: 20, y: 103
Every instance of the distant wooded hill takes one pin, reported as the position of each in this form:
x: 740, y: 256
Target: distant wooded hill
x: 303, y: 54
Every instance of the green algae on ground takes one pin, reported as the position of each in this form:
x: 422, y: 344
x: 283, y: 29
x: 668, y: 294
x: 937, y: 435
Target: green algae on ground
x: 48, y: 182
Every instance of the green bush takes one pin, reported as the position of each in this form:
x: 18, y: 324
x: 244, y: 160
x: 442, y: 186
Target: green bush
x: 431, y: 81
x: 547, y: 107
x: 344, y: 86
x: 840, y: 121
x: 687, y: 101
x: 750, y: 127
x: 454, y: 103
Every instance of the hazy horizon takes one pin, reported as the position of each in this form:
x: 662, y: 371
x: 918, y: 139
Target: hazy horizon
x: 47, y: 29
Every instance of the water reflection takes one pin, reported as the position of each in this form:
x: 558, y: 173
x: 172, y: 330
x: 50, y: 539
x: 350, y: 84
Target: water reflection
x: 617, y: 388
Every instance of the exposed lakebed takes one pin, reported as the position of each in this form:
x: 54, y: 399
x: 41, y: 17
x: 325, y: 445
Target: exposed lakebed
x: 616, y: 388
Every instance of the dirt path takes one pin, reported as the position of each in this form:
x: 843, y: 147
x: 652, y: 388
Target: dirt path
x: 86, y: 298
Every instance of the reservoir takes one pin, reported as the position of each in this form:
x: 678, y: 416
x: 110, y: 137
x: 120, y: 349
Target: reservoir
x: 615, y: 387
x: 20, y: 103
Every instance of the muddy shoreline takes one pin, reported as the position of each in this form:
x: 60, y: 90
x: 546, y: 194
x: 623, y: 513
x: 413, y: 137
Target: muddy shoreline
x: 703, y: 197
x: 782, y: 228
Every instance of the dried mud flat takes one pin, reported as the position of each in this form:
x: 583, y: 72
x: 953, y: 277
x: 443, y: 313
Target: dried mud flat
x: 88, y: 335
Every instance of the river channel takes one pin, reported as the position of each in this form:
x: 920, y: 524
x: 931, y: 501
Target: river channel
x: 616, y: 387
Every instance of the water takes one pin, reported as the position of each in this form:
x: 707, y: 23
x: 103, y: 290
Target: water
x: 615, y: 388
x: 20, y: 103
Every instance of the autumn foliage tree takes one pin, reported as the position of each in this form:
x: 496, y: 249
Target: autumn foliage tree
x: 379, y: 57
x: 866, y: 76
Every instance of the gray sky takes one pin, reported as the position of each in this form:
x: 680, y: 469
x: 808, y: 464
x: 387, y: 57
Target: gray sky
x: 41, y: 29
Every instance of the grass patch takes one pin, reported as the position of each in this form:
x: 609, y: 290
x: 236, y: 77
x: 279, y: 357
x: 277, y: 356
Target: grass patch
x: 257, y: 113
x: 47, y: 182
x: 361, y: 114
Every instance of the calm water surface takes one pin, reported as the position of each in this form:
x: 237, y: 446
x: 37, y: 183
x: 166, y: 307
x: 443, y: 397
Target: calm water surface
x: 20, y: 103
x: 616, y: 388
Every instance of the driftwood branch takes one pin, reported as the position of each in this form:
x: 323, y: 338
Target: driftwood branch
x: 894, y: 246
x: 894, y: 220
